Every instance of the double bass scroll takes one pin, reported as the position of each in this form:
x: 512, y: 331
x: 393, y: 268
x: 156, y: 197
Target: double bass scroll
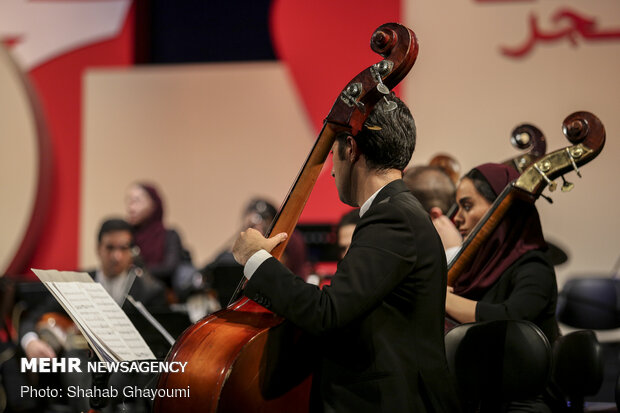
x: 399, y: 47
x: 526, y: 136
x: 448, y: 164
x: 231, y: 355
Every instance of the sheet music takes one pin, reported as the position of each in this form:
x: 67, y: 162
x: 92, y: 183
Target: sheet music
x: 100, y: 319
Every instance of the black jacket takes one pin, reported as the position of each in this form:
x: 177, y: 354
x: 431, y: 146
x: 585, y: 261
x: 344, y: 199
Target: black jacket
x: 527, y: 290
x: 379, y: 324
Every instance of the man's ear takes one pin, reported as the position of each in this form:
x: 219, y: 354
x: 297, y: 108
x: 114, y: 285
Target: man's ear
x: 435, y: 212
x: 352, y: 150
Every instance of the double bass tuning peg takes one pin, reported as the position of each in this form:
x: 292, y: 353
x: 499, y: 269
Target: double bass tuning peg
x: 575, y: 153
x: 384, y: 90
x: 572, y: 155
x: 552, y: 185
x: 567, y: 186
x: 389, y: 105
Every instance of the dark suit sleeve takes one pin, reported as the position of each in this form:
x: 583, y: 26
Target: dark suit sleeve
x: 532, y: 284
x: 380, y: 256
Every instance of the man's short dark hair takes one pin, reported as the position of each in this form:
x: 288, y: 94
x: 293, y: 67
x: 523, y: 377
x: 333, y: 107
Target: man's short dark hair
x: 387, y: 139
x: 113, y: 225
x: 431, y: 186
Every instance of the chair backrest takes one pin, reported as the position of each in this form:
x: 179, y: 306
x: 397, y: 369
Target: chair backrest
x: 578, y: 367
x: 617, y: 393
x: 590, y: 303
x: 498, y: 361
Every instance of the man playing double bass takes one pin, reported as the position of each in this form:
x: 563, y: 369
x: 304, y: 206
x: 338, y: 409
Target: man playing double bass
x: 380, y: 322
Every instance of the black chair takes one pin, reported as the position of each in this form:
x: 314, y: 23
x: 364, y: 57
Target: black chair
x: 593, y: 303
x: 617, y: 393
x: 495, y: 362
x: 590, y: 303
x: 577, y: 367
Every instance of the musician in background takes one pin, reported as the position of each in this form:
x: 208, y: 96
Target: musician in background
x: 11, y: 377
x: 224, y: 273
x: 432, y: 187
x: 117, y: 274
x: 344, y: 235
x: 510, y: 276
x: 346, y: 226
x: 161, y: 249
x: 380, y: 322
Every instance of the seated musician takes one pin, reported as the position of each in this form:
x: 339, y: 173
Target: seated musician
x: 345, y: 229
x: 118, y: 276
x: 344, y: 235
x: 433, y: 187
x: 224, y: 273
x: 510, y: 276
x: 380, y: 320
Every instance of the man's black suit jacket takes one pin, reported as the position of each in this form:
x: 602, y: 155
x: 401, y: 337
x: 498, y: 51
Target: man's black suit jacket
x: 380, y: 323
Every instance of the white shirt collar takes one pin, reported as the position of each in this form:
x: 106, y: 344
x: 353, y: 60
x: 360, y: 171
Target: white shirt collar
x: 366, y: 205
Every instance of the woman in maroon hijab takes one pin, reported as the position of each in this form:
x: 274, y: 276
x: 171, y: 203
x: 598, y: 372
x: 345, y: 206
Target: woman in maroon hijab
x: 510, y: 276
x: 161, y: 249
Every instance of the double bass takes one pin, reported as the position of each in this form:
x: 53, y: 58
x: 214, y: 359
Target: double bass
x: 246, y: 358
x: 587, y: 134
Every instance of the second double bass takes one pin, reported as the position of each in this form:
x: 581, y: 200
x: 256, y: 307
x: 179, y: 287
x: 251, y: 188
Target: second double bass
x: 245, y: 358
